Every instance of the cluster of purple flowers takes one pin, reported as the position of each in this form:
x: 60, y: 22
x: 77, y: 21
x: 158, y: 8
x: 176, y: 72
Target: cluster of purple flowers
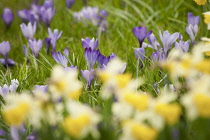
x: 93, y: 15
x: 167, y: 40
x: 37, y: 13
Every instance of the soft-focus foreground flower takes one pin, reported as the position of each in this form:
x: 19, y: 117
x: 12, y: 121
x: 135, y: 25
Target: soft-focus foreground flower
x: 4, y: 50
x: 65, y: 83
x: 35, y: 46
x: 7, y: 16
x: 201, y: 2
x: 133, y: 130
x: 29, y: 30
x: 16, y: 109
x: 207, y: 19
x: 81, y: 121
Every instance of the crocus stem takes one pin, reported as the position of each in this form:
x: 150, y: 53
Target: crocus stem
x: 35, y: 63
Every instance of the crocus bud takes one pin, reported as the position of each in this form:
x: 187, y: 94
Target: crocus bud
x: 7, y: 17
x: 4, y: 49
x: 69, y: 3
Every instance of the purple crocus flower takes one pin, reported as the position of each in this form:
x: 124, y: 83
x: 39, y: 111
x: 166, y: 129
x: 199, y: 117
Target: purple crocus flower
x: 153, y: 42
x: 29, y: 30
x: 182, y: 46
x: 193, y: 20
x: 43, y: 88
x: 35, y: 46
x: 91, y: 57
x: 139, y: 53
x: 66, y: 51
x: 141, y: 34
x: 168, y: 39
x: 47, y: 15
x: 87, y: 43
x: 48, y: 4
x: 159, y: 56
x: 5, y: 89
x: 88, y: 75
x: 69, y: 3
x: 60, y: 59
x: 192, y: 28
x: 7, y: 17
x: 102, y: 60
x: 53, y: 37
x: 4, y: 50
x: 27, y: 16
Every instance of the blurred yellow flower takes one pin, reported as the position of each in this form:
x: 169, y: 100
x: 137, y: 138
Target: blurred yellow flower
x: 143, y: 132
x: 201, y: 2
x: 170, y: 112
x: 138, y: 101
x: 16, y: 115
x: 202, y: 103
x: 74, y: 126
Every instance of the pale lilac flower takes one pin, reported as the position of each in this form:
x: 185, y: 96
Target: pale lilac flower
x: 93, y: 15
x: 182, y: 46
x: 43, y: 88
x: 168, y: 39
x: 29, y: 30
x: 91, y: 57
x: 141, y: 34
x: 87, y: 43
x: 35, y: 46
x: 5, y: 89
x: 60, y: 59
x: 47, y: 15
x: 4, y: 49
x: 53, y: 37
x: 139, y: 53
x: 192, y: 28
x: 14, y: 85
x: 88, y: 75
x: 69, y: 3
x: 7, y: 16
x: 153, y: 42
